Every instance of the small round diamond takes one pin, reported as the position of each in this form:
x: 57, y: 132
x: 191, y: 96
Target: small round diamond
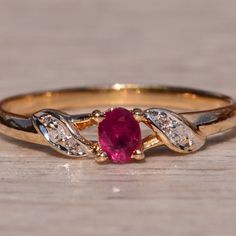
x: 73, y: 146
x: 57, y: 134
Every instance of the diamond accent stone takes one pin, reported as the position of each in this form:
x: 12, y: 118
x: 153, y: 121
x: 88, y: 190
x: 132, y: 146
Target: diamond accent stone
x: 56, y: 131
x: 58, y: 134
x: 177, y: 132
x: 73, y: 147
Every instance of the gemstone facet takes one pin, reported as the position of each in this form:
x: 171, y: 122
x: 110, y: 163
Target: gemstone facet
x: 119, y: 135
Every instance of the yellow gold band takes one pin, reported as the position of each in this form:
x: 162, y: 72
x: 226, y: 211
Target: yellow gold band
x: 210, y: 113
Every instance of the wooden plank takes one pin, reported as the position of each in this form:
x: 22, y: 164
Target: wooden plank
x: 47, y: 44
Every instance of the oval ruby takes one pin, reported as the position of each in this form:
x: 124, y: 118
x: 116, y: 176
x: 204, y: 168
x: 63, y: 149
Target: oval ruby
x: 119, y: 135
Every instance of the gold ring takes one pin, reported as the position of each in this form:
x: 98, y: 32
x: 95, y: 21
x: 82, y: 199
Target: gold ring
x: 179, y: 118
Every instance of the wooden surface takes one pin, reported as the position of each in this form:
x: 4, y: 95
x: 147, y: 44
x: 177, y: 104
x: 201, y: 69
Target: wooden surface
x: 49, y: 43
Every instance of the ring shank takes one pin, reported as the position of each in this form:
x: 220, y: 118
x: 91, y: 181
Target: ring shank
x: 210, y: 112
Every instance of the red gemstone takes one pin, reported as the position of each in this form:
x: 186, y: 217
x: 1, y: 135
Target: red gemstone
x: 119, y: 135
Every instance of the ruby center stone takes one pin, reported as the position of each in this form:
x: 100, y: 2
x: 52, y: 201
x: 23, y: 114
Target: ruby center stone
x: 119, y: 135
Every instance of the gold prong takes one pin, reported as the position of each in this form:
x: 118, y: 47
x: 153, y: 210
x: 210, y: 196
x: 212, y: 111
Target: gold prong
x: 138, y: 114
x: 101, y: 157
x: 97, y: 116
x: 138, y: 155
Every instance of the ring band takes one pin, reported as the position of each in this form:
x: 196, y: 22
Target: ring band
x: 179, y: 118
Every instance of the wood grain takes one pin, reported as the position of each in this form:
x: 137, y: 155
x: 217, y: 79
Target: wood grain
x: 47, y: 44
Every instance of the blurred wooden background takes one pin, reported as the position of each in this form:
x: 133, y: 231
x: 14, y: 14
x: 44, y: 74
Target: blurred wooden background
x: 52, y: 43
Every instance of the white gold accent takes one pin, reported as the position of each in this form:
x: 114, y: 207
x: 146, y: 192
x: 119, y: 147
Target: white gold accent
x: 175, y: 131
x: 58, y: 129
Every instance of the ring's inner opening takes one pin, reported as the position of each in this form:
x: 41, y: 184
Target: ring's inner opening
x: 80, y: 99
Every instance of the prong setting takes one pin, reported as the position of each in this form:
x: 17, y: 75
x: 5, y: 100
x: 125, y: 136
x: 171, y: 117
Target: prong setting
x: 138, y: 114
x: 138, y: 155
x: 100, y: 155
x: 97, y: 116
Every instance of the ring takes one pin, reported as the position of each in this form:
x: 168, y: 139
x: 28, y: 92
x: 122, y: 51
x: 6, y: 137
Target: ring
x: 179, y: 118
